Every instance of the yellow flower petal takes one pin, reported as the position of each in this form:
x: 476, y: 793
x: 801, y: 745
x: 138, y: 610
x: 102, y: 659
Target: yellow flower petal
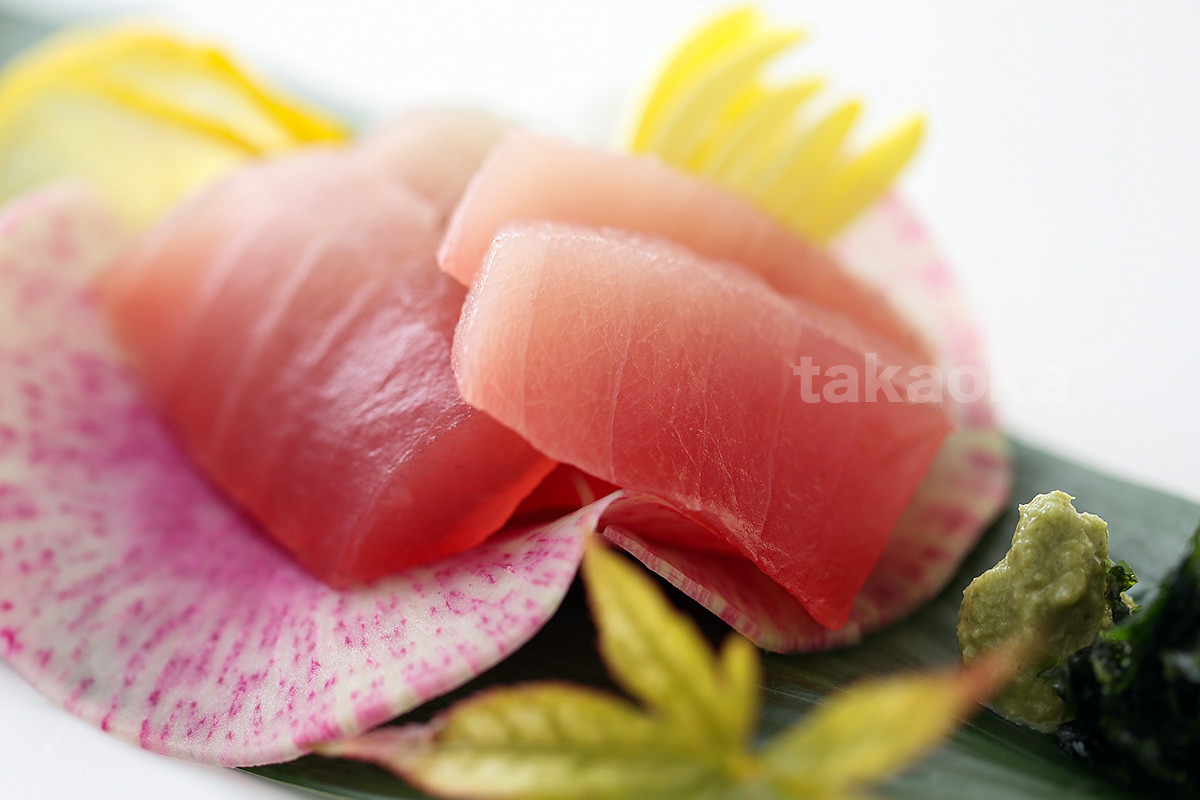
x: 747, y: 145
x: 732, y: 26
x: 701, y: 101
x: 712, y: 113
x: 851, y: 188
x: 807, y: 161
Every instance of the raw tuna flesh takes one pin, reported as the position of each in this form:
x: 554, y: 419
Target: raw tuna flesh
x: 671, y: 375
x: 435, y: 151
x: 293, y: 327
x: 967, y: 484
x: 532, y: 177
x: 562, y: 491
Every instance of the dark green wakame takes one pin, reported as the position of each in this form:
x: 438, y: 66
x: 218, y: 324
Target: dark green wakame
x: 1135, y: 693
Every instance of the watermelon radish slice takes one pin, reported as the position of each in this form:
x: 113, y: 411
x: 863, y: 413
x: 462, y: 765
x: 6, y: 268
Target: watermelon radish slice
x: 673, y: 376
x: 138, y: 598
x: 966, y: 486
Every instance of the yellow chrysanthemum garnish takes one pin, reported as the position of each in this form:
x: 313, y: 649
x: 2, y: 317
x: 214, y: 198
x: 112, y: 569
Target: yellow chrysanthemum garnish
x: 142, y: 115
x: 710, y: 112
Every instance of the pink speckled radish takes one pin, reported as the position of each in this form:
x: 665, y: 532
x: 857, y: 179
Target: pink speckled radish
x: 139, y: 599
x: 966, y: 485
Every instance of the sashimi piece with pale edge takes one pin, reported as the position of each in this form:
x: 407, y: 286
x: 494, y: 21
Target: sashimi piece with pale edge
x: 532, y: 177
x: 671, y: 375
x: 136, y: 596
x: 293, y: 327
x: 529, y: 176
x: 435, y: 151
x: 967, y: 484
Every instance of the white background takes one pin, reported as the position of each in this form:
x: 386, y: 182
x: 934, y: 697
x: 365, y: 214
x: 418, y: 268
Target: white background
x: 1061, y: 176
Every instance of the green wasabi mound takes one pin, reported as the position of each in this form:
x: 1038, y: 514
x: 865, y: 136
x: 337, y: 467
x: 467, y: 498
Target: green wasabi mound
x: 1051, y: 594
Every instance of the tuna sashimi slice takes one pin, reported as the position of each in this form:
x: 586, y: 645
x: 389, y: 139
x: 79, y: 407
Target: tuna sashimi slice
x: 667, y: 374
x: 434, y: 151
x: 293, y: 326
x: 136, y: 596
x: 534, y: 177
x: 965, y: 487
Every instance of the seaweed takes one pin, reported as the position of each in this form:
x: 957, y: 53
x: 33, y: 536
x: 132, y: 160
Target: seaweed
x: 1118, y: 579
x: 1133, y: 696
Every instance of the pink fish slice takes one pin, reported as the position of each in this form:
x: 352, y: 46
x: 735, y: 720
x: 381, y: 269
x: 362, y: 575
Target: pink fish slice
x: 965, y: 487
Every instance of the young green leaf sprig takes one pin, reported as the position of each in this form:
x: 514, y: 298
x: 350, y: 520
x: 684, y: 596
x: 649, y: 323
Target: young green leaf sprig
x: 689, y: 731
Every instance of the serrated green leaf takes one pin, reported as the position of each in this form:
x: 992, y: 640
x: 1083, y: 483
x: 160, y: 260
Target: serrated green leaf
x: 544, y: 741
x: 660, y: 657
x: 871, y: 730
x: 740, y: 674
